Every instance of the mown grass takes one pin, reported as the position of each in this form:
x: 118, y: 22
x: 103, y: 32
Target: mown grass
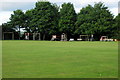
x: 56, y: 59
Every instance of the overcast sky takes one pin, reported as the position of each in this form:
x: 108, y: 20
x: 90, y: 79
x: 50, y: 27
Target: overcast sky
x: 8, y: 6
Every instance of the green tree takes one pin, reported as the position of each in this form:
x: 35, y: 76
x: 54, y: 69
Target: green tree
x: 28, y: 20
x: 116, y: 27
x: 45, y: 18
x: 95, y: 20
x: 54, y: 29
x: 7, y: 27
x: 17, y: 19
x: 104, y: 22
x: 84, y: 21
x: 67, y: 19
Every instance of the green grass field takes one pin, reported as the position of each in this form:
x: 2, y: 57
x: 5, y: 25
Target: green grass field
x: 56, y: 59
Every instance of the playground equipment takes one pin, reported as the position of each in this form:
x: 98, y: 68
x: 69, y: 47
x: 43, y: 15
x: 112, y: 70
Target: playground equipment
x: 27, y: 36
x: 105, y: 38
x: 8, y: 35
x: 55, y: 38
x: 36, y: 36
x: 71, y: 39
x: 85, y: 38
x: 63, y: 37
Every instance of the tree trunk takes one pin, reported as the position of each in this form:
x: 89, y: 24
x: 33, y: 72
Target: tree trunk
x: 19, y: 32
x: 43, y: 36
x: 39, y: 36
x: 12, y: 36
x: 34, y: 36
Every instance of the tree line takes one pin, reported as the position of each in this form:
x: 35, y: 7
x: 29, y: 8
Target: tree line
x: 49, y: 19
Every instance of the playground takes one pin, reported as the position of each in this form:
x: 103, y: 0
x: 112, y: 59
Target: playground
x: 59, y: 59
x: 59, y: 39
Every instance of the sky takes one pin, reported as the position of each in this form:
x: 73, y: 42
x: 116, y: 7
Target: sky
x: 8, y: 6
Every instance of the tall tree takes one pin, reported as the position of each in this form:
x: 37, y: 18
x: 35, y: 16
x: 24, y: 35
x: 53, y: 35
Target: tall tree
x: 45, y: 18
x: 67, y: 19
x: 28, y: 20
x: 95, y: 20
x: 17, y: 19
x: 104, y: 23
x: 7, y: 27
x: 84, y: 21
x: 116, y: 28
x: 54, y: 29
